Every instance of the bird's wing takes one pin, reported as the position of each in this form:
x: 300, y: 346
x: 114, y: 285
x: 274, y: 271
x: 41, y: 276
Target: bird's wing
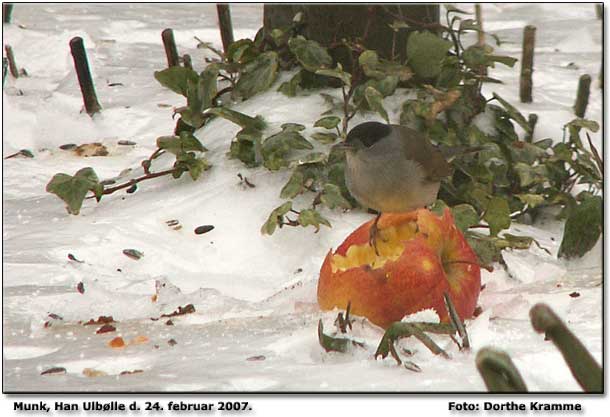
x: 417, y: 147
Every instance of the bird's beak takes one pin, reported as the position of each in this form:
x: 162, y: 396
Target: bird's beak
x: 343, y: 146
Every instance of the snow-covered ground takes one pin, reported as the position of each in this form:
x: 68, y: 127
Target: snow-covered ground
x: 254, y: 328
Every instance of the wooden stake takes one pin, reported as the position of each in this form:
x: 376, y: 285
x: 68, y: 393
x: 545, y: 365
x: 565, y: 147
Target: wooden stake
x: 171, y: 52
x: 188, y: 62
x: 12, y: 65
x: 582, y: 95
x: 7, y: 12
x: 599, y: 11
x: 81, y: 63
x: 527, y: 64
x: 226, y: 27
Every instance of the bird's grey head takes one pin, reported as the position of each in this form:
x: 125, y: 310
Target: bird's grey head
x: 366, y: 135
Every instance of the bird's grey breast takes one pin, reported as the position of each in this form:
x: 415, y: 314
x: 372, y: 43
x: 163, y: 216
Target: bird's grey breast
x: 381, y: 178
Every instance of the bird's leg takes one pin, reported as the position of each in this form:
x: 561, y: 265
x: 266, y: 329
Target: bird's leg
x: 373, y: 231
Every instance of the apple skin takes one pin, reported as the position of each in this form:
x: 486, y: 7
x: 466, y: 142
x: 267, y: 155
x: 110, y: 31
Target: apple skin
x: 435, y: 260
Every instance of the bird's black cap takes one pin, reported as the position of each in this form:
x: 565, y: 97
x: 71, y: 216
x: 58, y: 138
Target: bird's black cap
x: 368, y: 133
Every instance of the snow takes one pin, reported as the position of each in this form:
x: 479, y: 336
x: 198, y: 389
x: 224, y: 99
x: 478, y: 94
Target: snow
x: 255, y: 325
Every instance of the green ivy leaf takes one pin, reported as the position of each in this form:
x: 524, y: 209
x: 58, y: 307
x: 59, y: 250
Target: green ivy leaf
x: 291, y: 88
x: 324, y: 137
x: 532, y: 200
x: 258, y: 75
x: 514, y: 113
x: 186, y: 142
x: 375, y: 100
x: 73, y: 189
x: 294, y: 127
x: 529, y: 175
x: 311, y: 217
x: 242, y: 51
x: 188, y: 162
x: 310, y: 158
x: 276, y: 148
x: 332, y: 197
x: 176, y: 79
x: 484, y: 247
x: 465, y: 216
x: 425, y: 52
x: 243, y: 120
x: 345, y: 77
x: 502, y: 59
x: 583, y: 228
x: 294, y: 186
x: 275, y: 218
x: 497, y: 215
x: 328, y: 122
x: 310, y: 54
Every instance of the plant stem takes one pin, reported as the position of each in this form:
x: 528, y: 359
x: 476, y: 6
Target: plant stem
x: 582, y: 364
x: 137, y: 180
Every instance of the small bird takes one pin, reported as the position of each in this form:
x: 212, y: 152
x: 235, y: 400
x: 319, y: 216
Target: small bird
x: 392, y: 168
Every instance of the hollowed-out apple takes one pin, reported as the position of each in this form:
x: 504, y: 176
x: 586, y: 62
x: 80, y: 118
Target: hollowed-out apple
x: 421, y: 256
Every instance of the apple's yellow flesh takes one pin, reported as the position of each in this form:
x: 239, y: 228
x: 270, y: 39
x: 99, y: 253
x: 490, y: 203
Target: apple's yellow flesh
x: 390, y: 244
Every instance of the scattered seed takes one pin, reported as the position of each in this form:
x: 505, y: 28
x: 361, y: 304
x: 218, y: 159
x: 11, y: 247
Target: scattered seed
x: 117, y: 343
x: 256, y: 358
x: 91, y: 149
x: 169, y: 323
x: 203, y: 229
x: 172, y: 222
x: 54, y: 371
x: 100, y: 320
x: 133, y: 253
x: 187, y: 309
x: 575, y: 294
x: 80, y: 287
x: 119, y: 270
x: 477, y: 311
x: 298, y: 271
x: 139, y: 340
x: 177, y: 227
x: 92, y: 373
x: 163, y: 105
x: 127, y: 143
x: 68, y: 146
x: 132, y: 189
x: 172, y: 342
x: 114, y: 84
x: 412, y: 366
x: 106, y: 328
x: 73, y: 258
x: 55, y: 316
x: 135, y: 371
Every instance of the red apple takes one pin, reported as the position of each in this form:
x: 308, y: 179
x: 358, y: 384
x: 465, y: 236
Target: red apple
x: 421, y: 256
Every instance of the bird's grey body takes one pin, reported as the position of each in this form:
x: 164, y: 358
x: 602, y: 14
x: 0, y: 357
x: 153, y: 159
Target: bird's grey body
x: 391, y: 168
